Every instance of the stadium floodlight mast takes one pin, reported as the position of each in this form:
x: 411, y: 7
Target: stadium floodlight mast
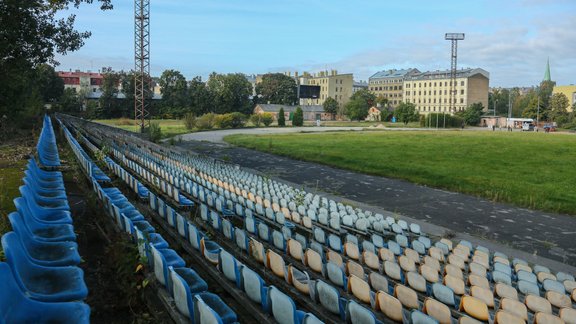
x: 141, y: 61
x: 454, y: 37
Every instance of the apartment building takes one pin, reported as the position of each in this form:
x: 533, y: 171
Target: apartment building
x: 390, y: 84
x: 430, y: 91
x: 86, y: 82
x: 332, y: 84
x: 569, y: 91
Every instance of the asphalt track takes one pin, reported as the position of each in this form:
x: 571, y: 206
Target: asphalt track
x: 539, y: 237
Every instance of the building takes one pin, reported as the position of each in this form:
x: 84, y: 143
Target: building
x: 337, y: 86
x: 310, y: 112
x: 87, y: 82
x: 430, y: 91
x: 569, y: 91
x: 389, y: 84
x: 359, y: 85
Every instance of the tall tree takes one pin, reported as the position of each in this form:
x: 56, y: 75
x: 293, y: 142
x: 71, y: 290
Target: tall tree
x: 277, y: 88
x: 70, y: 102
x: 471, y: 115
x: 174, y: 92
x: 330, y: 106
x: 32, y: 32
x: 360, y: 102
x: 558, y: 111
x: 406, y: 112
x: 50, y: 85
x: 199, y: 97
x: 281, y: 118
x: 230, y: 93
x: 109, y: 103
x: 298, y: 118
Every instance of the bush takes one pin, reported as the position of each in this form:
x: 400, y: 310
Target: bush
x: 281, y: 118
x: 189, y: 121
x: 154, y: 132
x: 256, y: 119
x: 206, y: 121
x: 231, y: 120
x: 430, y: 120
x: 267, y: 119
x: 298, y: 119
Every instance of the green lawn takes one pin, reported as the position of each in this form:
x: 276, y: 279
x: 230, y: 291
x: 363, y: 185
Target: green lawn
x: 534, y: 170
x: 170, y: 127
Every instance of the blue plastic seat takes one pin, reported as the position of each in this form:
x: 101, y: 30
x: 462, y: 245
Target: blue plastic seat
x: 330, y: 299
x: 162, y: 259
x: 16, y: 307
x: 253, y: 285
x: 43, y: 174
x: 42, y: 201
x: 358, y: 314
x: 42, y: 209
x: 230, y: 267
x: 50, y: 254
x: 185, y: 284
x: 55, y: 217
x: 209, y: 308
x: 45, y: 183
x: 282, y: 307
x: 51, y: 284
x: 43, y: 192
x: 41, y: 231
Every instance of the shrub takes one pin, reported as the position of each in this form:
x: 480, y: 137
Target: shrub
x: 267, y: 119
x: 256, y: 119
x: 189, y: 121
x: 298, y: 119
x: 430, y: 120
x: 231, y: 120
x: 154, y: 132
x: 206, y: 121
x: 281, y: 118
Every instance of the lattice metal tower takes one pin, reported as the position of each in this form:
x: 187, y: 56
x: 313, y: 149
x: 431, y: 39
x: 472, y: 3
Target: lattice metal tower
x: 141, y: 61
x: 454, y: 37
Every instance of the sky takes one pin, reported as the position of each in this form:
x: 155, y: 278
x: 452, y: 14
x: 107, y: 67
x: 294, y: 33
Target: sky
x: 511, y: 39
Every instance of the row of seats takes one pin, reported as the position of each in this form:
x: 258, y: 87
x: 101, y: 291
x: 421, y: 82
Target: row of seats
x: 270, y: 298
x: 41, y: 281
x: 440, y: 258
x: 46, y: 148
x: 438, y: 244
x: 204, y: 307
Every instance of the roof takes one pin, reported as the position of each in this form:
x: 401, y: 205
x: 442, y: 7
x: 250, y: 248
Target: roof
x: 360, y: 84
x: 445, y: 74
x: 276, y: 108
x: 393, y: 73
x: 78, y: 74
x: 119, y: 95
x: 547, y: 72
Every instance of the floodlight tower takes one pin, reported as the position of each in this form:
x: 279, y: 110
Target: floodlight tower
x: 141, y: 60
x: 454, y: 37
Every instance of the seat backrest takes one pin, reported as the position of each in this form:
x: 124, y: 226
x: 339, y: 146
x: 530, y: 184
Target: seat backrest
x: 392, y: 270
x: 276, y: 263
x: 567, y: 314
x: 503, y: 317
x: 181, y: 293
x: 389, y: 305
x: 335, y: 243
x: 443, y: 294
x: 504, y: 291
x: 334, y: 257
x: 474, y: 280
x: 159, y: 264
x: 313, y: 260
x: 229, y: 266
x: 359, y: 288
x: 257, y: 251
x: 253, y: 286
x: 437, y: 310
x: 416, y: 281
x: 241, y: 239
x: 336, y: 274
x: 300, y: 279
x: 546, y: 318
x: 386, y: 255
x: 281, y: 306
x: 329, y: 297
x: 354, y: 268
x: 358, y: 314
x: 538, y: 304
x: 484, y: 294
x: 406, y: 296
x: 514, y: 307
x: 553, y: 285
x: 418, y: 317
x: 558, y: 300
x: 371, y: 260
x: 474, y: 307
x: 295, y: 249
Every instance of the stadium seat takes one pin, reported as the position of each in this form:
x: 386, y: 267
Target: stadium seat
x: 276, y: 263
x: 299, y: 279
x: 17, y: 307
x: 313, y: 260
x: 49, y: 254
x: 336, y: 274
x: 406, y: 296
x: 389, y: 306
x: 558, y: 300
x: 209, y: 308
x: 162, y: 259
x: 474, y: 307
x: 253, y: 285
x: 230, y: 267
x: 360, y: 289
x: 437, y: 310
x: 50, y: 284
x: 330, y: 299
x: 503, y: 317
x: 514, y: 307
x: 546, y: 318
x: 185, y: 284
x: 418, y: 317
x: 282, y: 307
x: 357, y: 314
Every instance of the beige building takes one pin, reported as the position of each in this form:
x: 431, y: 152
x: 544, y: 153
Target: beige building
x: 389, y: 84
x: 332, y: 84
x: 430, y: 91
x: 569, y: 91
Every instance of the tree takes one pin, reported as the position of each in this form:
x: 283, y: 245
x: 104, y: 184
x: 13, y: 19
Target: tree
x: 230, y: 93
x: 330, y: 106
x: 383, y: 102
x: 281, y: 118
x: 277, y: 88
x: 531, y: 110
x: 471, y: 115
x: 558, y: 107
x: 406, y: 112
x: 298, y: 119
x: 360, y: 102
x: 200, y: 101
x: 70, y: 102
x: 50, y: 85
x: 174, y: 92
x: 109, y: 99
x: 266, y: 119
x: 33, y: 31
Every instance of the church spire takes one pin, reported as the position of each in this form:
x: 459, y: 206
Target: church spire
x: 547, y: 72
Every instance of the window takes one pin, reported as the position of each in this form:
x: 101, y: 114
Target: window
x: 445, y: 83
x: 424, y: 84
x: 462, y: 83
x: 434, y: 92
x: 462, y: 91
x: 434, y: 83
x: 461, y: 100
x: 445, y: 92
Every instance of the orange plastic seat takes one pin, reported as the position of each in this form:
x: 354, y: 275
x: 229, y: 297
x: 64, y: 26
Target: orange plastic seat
x: 545, y: 318
x: 474, y: 307
x: 514, y: 307
x: 390, y: 306
x: 538, y: 304
x: 504, y: 291
x: 483, y: 294
x: 406, y: 296
x: 503, y: 317
x: 568, y: 315
x: 437, y: 310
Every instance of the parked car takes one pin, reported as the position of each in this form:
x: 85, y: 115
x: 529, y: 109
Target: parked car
x: 527, y: 127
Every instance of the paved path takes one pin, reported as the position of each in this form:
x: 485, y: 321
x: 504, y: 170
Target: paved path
x: 538, y: 234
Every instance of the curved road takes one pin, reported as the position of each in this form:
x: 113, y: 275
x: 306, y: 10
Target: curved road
x: 536, y: 236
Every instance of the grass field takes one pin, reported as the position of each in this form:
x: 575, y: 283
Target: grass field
x: 534, y: 170
x: 170, y: 127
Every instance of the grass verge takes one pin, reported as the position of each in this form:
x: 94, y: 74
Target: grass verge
x: 534, y: 170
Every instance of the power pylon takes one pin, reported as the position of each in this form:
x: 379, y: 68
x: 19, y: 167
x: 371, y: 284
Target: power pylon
x: 454, y: 37
x: 141, y: 61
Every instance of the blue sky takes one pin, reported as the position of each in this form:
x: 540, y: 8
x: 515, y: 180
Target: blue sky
x: 511, y: 39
